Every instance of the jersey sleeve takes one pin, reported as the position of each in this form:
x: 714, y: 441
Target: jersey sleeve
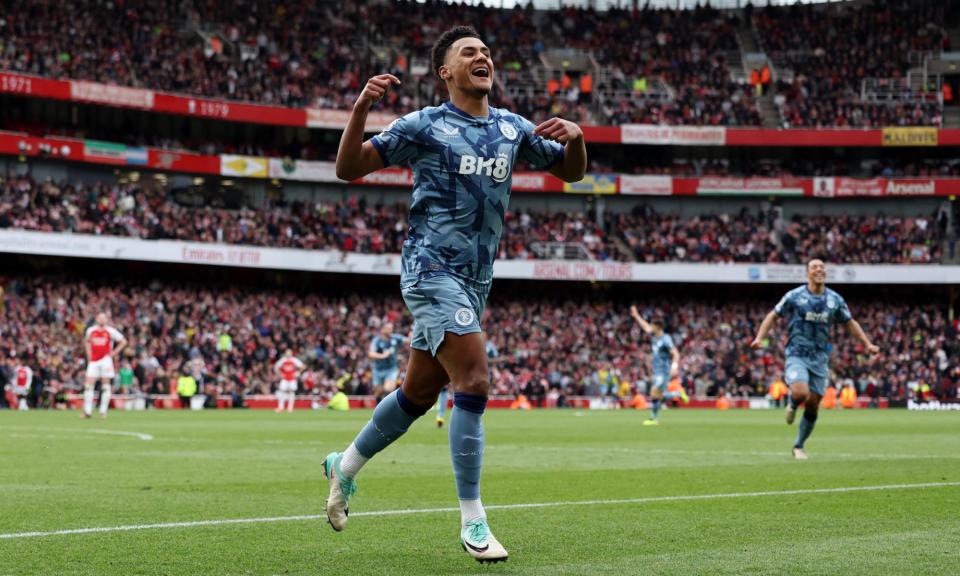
x: 276, y: 365
x: 540, y: 153
x: 86, y: 335
x: 398, y: 143
x: 298, y: 362
x: 115, y: 334
x: 785, y: 306
x: 842, y: 315
x: 373, y: 347
x: 668, y: 342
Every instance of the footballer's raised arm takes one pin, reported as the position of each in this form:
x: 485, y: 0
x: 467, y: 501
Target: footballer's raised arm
x: 356, y: 158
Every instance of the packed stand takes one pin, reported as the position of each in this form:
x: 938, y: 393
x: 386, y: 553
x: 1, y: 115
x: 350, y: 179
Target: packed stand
x: 765, y: 236
x: 642, y: 235
x: 306, y: 54
x: 548, y: 348
x: 832, y: 49
x: 682, y: 48
x: 320, y: 54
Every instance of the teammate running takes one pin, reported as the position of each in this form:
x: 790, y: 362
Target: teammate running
x: 383, y: 352
x: 810, y: 310
x: 103, y: 343
x: 288, y: 368
x: 462, y: 154
x: 666, y: 365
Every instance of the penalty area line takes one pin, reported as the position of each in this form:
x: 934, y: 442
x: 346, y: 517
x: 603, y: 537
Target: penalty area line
x: 403, y: 512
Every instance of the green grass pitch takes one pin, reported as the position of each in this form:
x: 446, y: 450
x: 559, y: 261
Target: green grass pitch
x: 59, y: 473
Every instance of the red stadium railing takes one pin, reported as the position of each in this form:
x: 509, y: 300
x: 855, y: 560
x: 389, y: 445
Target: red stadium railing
x: 233, y: 111
x: 257, y: 167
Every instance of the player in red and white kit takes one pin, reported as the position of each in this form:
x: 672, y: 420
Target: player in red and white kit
x: 22, y: 379
x: 289, y: 368
x: 103, y: 342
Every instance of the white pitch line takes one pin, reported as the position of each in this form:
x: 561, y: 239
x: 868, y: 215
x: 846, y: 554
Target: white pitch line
x: 139, y: 435
x: 651, y: 499
x: 60, y: 432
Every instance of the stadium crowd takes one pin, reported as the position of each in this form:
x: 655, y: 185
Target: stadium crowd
x: 356, y: 226
x: 685, y: 49
x: 832, y: 51
x: 764, y: 236
x: 229, y: 337
x: 666, y: 66
x: 297, y: 54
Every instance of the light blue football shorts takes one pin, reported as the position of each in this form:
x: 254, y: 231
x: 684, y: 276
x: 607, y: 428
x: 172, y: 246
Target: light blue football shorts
x: 441, y: 304
x: 815, y: 374
x: 382, y: 376
x: 660, y: 380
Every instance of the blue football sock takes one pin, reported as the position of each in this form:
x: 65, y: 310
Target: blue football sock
x: 806, y: 428
x: 466, y: 443
x: 390, y: 420
x: 655, y: 409
x: 442, y: 406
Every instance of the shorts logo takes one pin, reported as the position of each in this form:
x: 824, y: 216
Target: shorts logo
x: 508, y: 130
x: 463, y: 316
x: 792, y: 375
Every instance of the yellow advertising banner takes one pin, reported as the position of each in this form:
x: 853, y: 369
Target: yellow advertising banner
x: 913, y: 136
x: 593, y: 184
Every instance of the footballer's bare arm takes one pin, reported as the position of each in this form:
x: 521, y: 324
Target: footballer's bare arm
x: 573, y: 165
x: 356, y: 158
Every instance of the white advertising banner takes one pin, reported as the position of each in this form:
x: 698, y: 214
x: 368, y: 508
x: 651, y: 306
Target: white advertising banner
x: 646, y: 185
x: 324, y: 118
x: 303, y: 170
x: 112, y: 247
x: 116, y: 248
x: 111, y: 95
x: 673, y: 135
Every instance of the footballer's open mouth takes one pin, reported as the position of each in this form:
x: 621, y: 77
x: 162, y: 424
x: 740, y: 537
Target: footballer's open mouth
x: 481, y: 72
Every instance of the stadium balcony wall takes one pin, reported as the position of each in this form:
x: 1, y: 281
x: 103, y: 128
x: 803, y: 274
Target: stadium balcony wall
x: 257, y: 167
x: 151, y: 101
x: 106, y: 248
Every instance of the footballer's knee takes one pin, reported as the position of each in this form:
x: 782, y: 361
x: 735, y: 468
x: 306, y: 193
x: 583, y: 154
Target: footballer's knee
x: 800, y: 393
x: 475, y: 383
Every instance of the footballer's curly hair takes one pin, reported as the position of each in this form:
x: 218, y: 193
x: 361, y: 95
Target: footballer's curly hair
x: 439, y: 52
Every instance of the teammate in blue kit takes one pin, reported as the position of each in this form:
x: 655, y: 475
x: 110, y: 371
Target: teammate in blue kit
x: 811, y: 310
x: 462, y: 154
x: 666, y: 364
x: 383, y: 352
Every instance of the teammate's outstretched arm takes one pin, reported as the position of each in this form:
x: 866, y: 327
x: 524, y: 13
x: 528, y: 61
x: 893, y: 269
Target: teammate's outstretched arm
x: 765, y: 327
x: 574, y: 163
x: 644, y: 325
x: 674, y: 361
x: 356, y: 158
x: 857, y: 331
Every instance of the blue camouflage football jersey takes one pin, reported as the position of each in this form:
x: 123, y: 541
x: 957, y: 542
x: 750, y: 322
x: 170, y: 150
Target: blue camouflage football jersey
x: 661, y: 347
x: 462, y: 171
x: 810, y: 317
x: 380, y: 345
